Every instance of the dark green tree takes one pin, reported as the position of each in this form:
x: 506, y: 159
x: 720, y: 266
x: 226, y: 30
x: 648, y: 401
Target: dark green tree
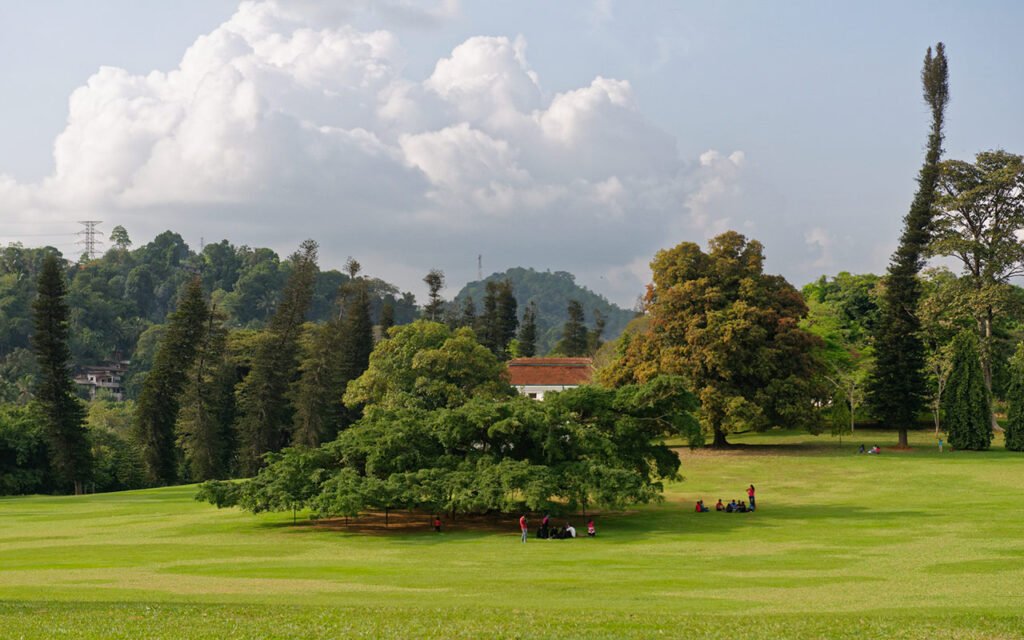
x: 468, y: 317
x: 528, y: 332
x: 506, y: 318
x: 898, y: 389
x: 1015, y: 399
x: 966, y: 405
x: 119, y: 236
x: 575, y: 335
x: 207, y: 408
x: 387, y: 318
x: 435, y: 307
x: 156, y: 412
x: 265, y: 412
x: 63, y: 414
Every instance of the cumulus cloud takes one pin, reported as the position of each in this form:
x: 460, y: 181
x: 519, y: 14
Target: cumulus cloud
x: 274, y: 127
x: 819, y: 239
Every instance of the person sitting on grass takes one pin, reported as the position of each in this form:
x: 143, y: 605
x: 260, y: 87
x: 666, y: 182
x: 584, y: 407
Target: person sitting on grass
x: 741, y: 507
x: 700, y: 508
x: 591, y: 529
x: 874, y: 450
x: 861, y: 450
x: 719, y: 506
x: 570, y: 531
x: 731, y: 507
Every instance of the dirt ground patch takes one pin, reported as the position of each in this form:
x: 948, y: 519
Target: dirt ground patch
x: 396, y: 522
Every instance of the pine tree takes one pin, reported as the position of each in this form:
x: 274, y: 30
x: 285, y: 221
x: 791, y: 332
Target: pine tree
x: 528, y: 332
x: 316, y: 396
x: 156, y: 412
x: 265, y: 411
x: 898, y: 389
x: 965, y: 405
x: 1015, y: 398
x: 594, y: 341
x: 387, y: 318
x: 468, y: 317
x: 63, y: 414
x: 575, y: 337
x: 435, y: 282
x: 355, y: 346
x: 204, y: 421
x: 506, y: 318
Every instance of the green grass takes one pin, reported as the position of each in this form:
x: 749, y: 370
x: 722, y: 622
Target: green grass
x: 906, y: 544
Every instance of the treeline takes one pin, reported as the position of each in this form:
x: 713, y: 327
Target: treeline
x: 119, y: 302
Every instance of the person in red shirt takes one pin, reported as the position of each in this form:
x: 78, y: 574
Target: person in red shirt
x: 719, y: 506
x: 437, y: 524
x: 522, y: 526
x: 750, y: 494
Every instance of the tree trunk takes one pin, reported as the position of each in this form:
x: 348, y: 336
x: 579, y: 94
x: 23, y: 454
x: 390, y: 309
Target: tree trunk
x: 719, y: 442
x: 903, y: 444
x: 387, y: 513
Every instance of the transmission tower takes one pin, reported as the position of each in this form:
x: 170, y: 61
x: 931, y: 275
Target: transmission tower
x: 90, y: 239
x: 479, y: 266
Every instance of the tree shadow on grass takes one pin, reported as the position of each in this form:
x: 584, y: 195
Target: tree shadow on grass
x: 613, y: 527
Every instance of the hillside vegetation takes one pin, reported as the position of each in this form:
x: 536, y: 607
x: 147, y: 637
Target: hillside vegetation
x: 551, y: 292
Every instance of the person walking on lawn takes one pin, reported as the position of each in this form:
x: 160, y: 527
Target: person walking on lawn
x: 750, y: 494
x: 522, y: 526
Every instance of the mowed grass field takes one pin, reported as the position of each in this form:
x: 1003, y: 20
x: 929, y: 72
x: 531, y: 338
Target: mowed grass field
x: 902, y: 545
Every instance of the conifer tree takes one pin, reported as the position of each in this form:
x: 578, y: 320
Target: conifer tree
x: 387, y: 318
x: 204, y: 421
x: 264, y: 407
x: 506, y: 318
x: 468, y: 317
x: 156, y: 412
x: 965, y: 404
x: 63, y: 414
x: 575, y: 337
x: 435, y: 307
x: 1015, y: 398
x: 528, y: 332
x: 898, y: 389
x: 355, y: 346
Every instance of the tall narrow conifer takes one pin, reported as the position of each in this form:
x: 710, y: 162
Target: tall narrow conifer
x: 898, y: 388
x: 156, y: 412
x: 63, y: 414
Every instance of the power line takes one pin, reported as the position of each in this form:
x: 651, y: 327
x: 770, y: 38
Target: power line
x: 89, y: 240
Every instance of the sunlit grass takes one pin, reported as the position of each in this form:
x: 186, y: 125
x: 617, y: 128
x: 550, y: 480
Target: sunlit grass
x: 906, y: 544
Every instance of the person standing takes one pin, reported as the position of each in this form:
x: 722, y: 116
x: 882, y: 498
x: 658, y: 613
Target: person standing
x: 522, y: 526
x: 750, y: 494
x: 940, y: 445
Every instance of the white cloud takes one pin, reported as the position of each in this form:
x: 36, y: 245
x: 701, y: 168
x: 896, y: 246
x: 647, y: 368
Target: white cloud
x: 274, y: 128
x: 820, y: 240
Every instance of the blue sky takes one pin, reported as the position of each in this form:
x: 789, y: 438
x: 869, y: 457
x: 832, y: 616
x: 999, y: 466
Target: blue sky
x: 820, y: 99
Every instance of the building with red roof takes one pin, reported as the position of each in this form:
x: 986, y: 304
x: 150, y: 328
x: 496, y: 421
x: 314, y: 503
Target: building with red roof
x: 534, y: 377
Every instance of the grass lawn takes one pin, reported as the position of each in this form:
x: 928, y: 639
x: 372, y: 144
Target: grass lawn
x: 905, y: 544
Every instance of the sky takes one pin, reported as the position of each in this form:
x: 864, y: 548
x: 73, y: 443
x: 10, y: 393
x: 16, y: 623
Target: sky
x: 417, y: 134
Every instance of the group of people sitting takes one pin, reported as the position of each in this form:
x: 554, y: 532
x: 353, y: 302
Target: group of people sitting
x: 734, y: 506
x: 875, y: 450
x: 548, y: 532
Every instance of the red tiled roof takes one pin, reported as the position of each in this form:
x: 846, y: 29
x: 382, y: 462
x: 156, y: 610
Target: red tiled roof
x: 550, y: 371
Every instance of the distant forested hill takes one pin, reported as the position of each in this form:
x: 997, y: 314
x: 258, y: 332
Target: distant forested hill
x: 551, y: 291
x: 127, y: 292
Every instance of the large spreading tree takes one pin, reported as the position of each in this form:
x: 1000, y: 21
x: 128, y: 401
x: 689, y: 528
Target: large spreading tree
x: 444, y: 432
x: 898, y: 388
x: 62, y: 412
x: 732, y: 331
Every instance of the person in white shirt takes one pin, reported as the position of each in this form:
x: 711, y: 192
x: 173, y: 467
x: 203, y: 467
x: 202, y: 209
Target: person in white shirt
x: 570, y: 530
